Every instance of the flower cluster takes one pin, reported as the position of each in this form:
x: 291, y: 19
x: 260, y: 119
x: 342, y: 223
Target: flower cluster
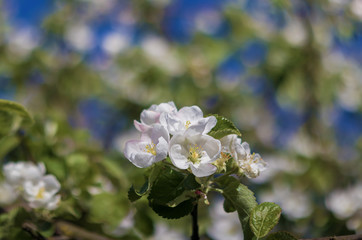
x: 183, y: 136
x: 29, y: 181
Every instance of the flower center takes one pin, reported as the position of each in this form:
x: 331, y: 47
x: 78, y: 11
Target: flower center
x: 40, y: 194
x: 194, y: 154
x: 187, y: 124
x: 151, y: 148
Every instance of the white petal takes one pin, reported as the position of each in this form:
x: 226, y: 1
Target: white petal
x: 246, y: 146
x: 178, y: 156
x: 192, y: 113
x: 135, y: 155
x: 53, y: 202
x: 210, y: 124
x: 149, y: 117
x: 212, y: 146
x: 156, y: 132
x: 174, y: 124
x: 140, y: 126
x: 51, y: 184
x: 143, y: 160
x: 161, y: 149
x: 203, y: 170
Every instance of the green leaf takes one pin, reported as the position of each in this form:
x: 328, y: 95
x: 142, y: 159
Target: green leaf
x: 181, y: 210
x: 190, y: 183
x: 241, y: 198
x: 134, y: 195
x: 11, y: 222
x: 223, y: 128
x: 12, y: 116
x: 263, y: 218
x: 281, y: 236
x: 228, y: 206
x: 167, y: 186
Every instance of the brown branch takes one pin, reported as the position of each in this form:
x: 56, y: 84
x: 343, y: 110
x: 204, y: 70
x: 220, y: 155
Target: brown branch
x: 349, y: 237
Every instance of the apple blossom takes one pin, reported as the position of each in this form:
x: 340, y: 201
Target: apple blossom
x: 41, y: 194
x: 152, y: 115
x: 188, y: 118
x: 250, y: 164
x: 151, y: 148
x: 196, y: 152
x: 16, y: 173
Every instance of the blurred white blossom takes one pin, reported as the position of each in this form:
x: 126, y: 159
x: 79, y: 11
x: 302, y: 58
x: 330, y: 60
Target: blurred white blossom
x: 28, y: 180
x: 80, y: 37
x: 294, y: 203
x: 345, y: 203
x: 18, y: 172
x: 224, y: 225
x: 115, y: 42
x: 163, y: 232
x: 8, y: 194
x: 295, y: 32
x: 41, y: 194
x: 23, y: 40
x: 160, y: 53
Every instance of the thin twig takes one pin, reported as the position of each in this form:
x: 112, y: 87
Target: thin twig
x: 74, y: 231
x: 349, y: 237
x: 195, y: 226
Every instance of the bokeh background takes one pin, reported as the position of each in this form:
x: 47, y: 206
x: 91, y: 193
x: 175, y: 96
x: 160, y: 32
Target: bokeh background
x: 287, y: 73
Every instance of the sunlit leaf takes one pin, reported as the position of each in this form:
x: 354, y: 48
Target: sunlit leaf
x: 223, y: 128
x: 263, y: 218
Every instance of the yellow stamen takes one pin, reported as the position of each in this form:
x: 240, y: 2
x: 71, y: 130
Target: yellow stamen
x: 220, y: 163
x: 194, y: 154
x: 40, y: 194
x: 187, y: 124
x: 151, y: 148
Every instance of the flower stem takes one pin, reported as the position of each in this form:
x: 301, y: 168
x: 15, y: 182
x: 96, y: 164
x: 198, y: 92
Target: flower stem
x: 195, y: 226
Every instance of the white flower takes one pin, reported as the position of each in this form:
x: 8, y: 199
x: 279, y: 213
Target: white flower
x: 188, y: 118
x: 229, y: 142
x: 41, y: 194
x: 196, y: 152
x: 152, y: 115
x: 151, y: 148
x: 16, y: 173
x: 7, y: 193
x: 251, y: 164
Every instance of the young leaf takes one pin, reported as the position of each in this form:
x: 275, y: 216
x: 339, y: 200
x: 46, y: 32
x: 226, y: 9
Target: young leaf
x: 223, y: 128
x: 263, y: 218
x: 241, y: 198
x: 167, y: 186
x: 181, y: 210
x: 281, y: 236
